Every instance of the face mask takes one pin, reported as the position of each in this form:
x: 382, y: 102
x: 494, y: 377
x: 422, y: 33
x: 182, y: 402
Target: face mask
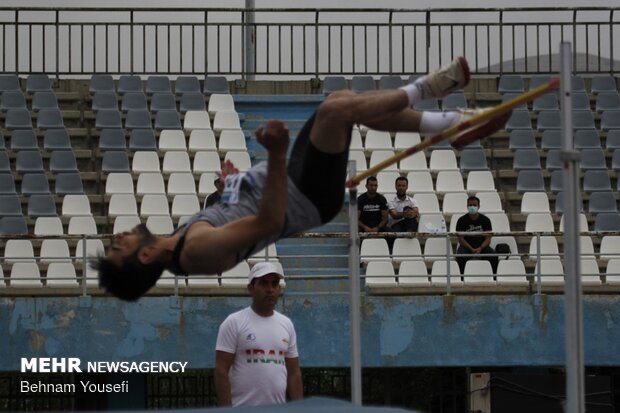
x: 472, y: 209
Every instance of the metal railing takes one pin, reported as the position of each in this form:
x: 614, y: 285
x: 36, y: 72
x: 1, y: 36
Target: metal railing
x: 302, y: 43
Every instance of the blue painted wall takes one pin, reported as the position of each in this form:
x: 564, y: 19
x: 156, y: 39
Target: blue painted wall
x: 397, y: 331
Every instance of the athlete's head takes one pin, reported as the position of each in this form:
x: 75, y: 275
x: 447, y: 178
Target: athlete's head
x: 129, y: 269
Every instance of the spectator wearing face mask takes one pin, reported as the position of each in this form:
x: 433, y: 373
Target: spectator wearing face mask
x: 478, y: 244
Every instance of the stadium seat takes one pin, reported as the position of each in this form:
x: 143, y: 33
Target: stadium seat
x: 25, y: 274
x: 545, y: 102
x: 556, y: 183
x: 82, y: 226
x: 29, y: 162
x: 18, y: 119
x: 609, y: 221
x: 404, y: 140
x: 583, y: 119
x: 510, y: 84
x: 603, y: 83
x: 226, y: 119
x: 216, y: 84
x: 119, y: 183
x: 186, y: 84
x: 157, y: 84
x: 241, y: 160
x: 413, y: 273
x: 139, y: 119
x: 551, y: 139
x: 580, y: 101
x: 108, y: 119
x: 548, y: 248
x: 615, y: 160
x: 13, y: 225
x: 419, y: 182
x: 530, y: 181
x: 385, y: 181
x: 480, y: 181
x: 9, y: 83
x: 61, y: 274
x: 439, y: 272
x: 54, y: 250
x: 112, y: 139
x: 390, y: 82
x: 526, y: 159
x: 129, y: 83
x: 334, y: 83
x: 202, y: 140
x: 610, y: 247
x: 406, y: 249
x: 559, y: 203
x: 172, y: 140
x: 181, y: 184
x: 232, y: 140
x: 489, y: 202
x: 499, y: 222
x: 197, y: 120
x: 13, y: 99
x: 124, y: 223
x: 552, y: 272
x: 473, y: 160
x: 48, y: 226
x: 160, y: 224
x: 374, y: 249
x: 443, y: 160
x: 192, y: 102
x: 430, y: 104
x: 206, y: 184
x: 122, y: 204
x: 612, y: 273
x: 449, y: 181
x: 219, y: 102
x: 50, y: 119
x: 206, y: 161
x: 362, y: 83
x: 427, y: 203
x: 582, y: 224
x: 415, y: 162
x: 41, y: 205
x: 548, y: 120
x: 478, y: 273
x: 134, y: 101
x: 519, y: 120
x: 163, y: 101
x: 94, y: 248
x: 63, y: 161
x: 38, y: 83
x: 436, y: 249
x: 587, y: 139
x: 35, y: 184
x: 454, y: 101
x: 602, y: 202
x: 115, y: 161
x: 154, y: 205
x: 521, y: 139
x: 539, y: 222
x: 511, y: 273
x: 607, y: 101
x: 56, y: 139
x: 24, y: 140
x: 145, y: 161
x: 18, y: 250
x: 432, y: 223
x: 167, y: 119
x: 378, y: 140
x: 590, y: 274
x: 150, y: 183
x: 75, y: 205
x: 44, y: 100
x: 184, y: 204
x: 10, y: 206
x: 610, y: 119
x: 535, y: 203
x: 7, y: 184
x: 512, y: 246
x: 596, y: 180
x: 101, y: 83
x: 142, y: 140
x: 380, y: 274
x: 577, y: 83
x: 236, y: 276
x: 176, y: 162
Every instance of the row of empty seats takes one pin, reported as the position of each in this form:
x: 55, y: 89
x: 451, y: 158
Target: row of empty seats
x: 551, y: 120
x: 161, y: 101
x: 159, y: 84
x: 165, y: 119
x: 552, y: 139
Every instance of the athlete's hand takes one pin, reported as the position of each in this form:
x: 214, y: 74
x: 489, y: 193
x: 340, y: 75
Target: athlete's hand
x: 274, y: 136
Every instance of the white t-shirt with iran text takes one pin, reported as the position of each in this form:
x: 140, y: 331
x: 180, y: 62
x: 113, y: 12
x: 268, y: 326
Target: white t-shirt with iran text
x: 260, y: 344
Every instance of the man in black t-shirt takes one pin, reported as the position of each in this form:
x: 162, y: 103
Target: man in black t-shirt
x: 372, y: 209
x: 215, y: 197
x: 474, y: 221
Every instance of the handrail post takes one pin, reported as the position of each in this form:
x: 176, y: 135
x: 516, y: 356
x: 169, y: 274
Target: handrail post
x: 249, y: 39
x: 448, y: 255
x: 538, y: 265
x: 354, y: 294
x: 84, y: 265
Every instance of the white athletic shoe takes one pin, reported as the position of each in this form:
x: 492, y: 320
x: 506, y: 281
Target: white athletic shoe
x: 479, y: 131
x: 448, y: 78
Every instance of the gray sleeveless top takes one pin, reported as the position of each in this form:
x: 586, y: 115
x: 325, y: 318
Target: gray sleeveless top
x: 301, y: 213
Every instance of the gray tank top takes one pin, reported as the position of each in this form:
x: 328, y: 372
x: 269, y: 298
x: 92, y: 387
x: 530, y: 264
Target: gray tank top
x: 301, y: 213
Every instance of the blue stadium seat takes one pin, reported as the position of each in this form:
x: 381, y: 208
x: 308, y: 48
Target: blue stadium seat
x: 545, y: 102
x: 216, y: 84
x: 163, y: 101
x: 548, y: 119
x: 2, y: 142
x: 115, y: 161
x: 108, y: 119
x: 38, y: 83
x: 68, y: 183
x: 28, y: 162
x: 186, y: 84
x: 553, y: 162
x: 511, y: 95
x: 583, y: 119
x: 610, y: 119
x: 607, y: 101
x: 138, y: 119
x: 41, y: 206
x: 44, y: 100
x: 473, y: 160
x: 9, y: 83
x: 157, y: 84
x: 521, y: 139
x: 7, y: 184
x: 167, y: 119
x: 520, y: 119
x: 603, y: 83
x: 334, y: 83
x: 577, y: 83
x: 530, y: 180
x: 50, y: 119
x: 10, y: 206
x: 13, y: 99
x: 510, y: 84
x: 112, y: 139
x: 63, y: 161
x: 362, y: 83
x: 596, y: 180
x: 56, y: 139
x: 607, y: 222
x: 18, y: 119
x: 587, y: 139
x: 104, y: 100
x: 5, y: 163
x: 592, y: 159
x: 134, y: 101
x: 551, y: 139
x: 526, y: 159
x: 13, y: 225
x: 36, y: 183
x: 142, y: 140
x: 430, y: 104
x: 615, y: 161
x: 454, y: 101
x: 101, y: 83
x: 602, y: 202
x: 538, y: 80
x: 580, y: 101
x: 390, y: 82
x: 192, y: 101
x: 24, y: 140
x: 129, y: 83
x: 612, y: 141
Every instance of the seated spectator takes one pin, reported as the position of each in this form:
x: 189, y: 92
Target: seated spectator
x: 478, y: 245
x: 403, y: 209
x: 215, y: 197
x: 372, y: 208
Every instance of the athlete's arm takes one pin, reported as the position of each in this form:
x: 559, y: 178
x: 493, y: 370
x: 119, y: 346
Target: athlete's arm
x: 294, y: 386
x: 223, y: 361
x: 208, y: 249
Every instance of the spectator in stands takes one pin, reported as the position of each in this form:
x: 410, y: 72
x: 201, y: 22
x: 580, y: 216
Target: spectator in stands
x: 403, y: 209
x: 273, y: 200
x: 372, y: 208
x: 215, y: 197
x: 256, y: 359
x: 478, y: 245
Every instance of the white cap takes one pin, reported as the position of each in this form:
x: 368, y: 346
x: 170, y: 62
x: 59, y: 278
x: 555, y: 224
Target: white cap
x: 265, y: 268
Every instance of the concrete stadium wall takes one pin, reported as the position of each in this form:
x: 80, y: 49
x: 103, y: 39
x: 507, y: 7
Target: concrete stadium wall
x: 397, y: 331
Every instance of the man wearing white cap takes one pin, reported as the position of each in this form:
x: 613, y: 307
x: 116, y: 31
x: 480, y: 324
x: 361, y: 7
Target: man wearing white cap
x: 256, y: 359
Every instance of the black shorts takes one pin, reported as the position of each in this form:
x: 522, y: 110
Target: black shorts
x: 318, y: 175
